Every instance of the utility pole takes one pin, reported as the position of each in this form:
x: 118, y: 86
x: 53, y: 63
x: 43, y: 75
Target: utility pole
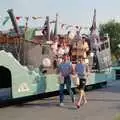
x: 17, y: 30
x: 48, y: 27
x: 56, y: 25
x: 13, y: 20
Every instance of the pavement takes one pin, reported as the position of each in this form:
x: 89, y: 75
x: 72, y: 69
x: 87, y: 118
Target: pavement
x: 103, y: 104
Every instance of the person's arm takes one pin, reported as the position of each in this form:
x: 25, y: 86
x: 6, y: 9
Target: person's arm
x: 58, y: 69
x: 86, y: 46
x: 87, y: 69
x: 75, y: 69
x: 71, y: 68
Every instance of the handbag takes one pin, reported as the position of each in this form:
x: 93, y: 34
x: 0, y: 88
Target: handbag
x: 60, y: 79
x: 75, y: 79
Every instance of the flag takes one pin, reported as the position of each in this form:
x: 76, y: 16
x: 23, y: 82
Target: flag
x: 35, y: 18
x: 68, y: 26
x: 30, y: 34
x: 18, y: 17
x: 62, y: 25
x: 6, y: 20
x: 93, y: 27
x: 26, y: 23
x: 52, y: 21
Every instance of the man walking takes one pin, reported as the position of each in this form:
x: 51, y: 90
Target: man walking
x: 65, y: 69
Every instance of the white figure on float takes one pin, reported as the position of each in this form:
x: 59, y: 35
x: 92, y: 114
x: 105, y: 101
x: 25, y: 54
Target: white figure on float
x: 54, y: 46
x: 46, y: 62
x: 71, y: 35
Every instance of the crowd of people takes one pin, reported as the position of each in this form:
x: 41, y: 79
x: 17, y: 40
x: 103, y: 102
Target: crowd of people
x: 73, y: 48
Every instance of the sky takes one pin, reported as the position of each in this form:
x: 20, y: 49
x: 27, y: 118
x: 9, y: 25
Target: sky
x: 79, y: 12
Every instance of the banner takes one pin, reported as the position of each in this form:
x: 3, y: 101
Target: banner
x: 6, y: 20
x: 35, y: 18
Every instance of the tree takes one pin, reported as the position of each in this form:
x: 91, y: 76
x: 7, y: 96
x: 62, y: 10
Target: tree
x: 113, y: 29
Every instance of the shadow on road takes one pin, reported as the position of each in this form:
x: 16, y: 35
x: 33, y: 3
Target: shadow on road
x: 46, y: 104
x: 27, y: 105
x: 113, y: 87
x: 104, y: 100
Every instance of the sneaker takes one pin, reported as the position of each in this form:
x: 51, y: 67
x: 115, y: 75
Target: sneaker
x: 78, y: 106
x: 85, y: 102
x: 61, y: 104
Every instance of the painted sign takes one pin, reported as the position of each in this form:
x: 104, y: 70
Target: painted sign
x: 23, y: 88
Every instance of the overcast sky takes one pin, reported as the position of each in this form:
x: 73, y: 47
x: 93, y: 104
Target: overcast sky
x: 79, y: 12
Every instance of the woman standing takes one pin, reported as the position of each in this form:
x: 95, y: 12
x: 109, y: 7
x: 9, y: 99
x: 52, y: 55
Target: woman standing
x: 82, y: 71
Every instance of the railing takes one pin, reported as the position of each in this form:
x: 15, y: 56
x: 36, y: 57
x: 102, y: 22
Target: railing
x: 10, y: 40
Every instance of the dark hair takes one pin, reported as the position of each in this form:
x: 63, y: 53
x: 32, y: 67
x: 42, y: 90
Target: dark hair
x: 80, y: 57
x: 59, y: 45
x: 65, y: 55
x: 83, y: 37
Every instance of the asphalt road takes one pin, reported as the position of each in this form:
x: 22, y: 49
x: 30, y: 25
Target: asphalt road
x: 103, y: 104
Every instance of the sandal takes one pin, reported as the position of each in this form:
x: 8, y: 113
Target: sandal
x: 85, y: 102
x: 78, y: 106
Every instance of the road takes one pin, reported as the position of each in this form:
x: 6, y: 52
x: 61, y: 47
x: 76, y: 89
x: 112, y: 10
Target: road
x: 103, y: 104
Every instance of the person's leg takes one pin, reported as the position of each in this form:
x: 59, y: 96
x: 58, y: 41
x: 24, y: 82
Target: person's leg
x: 77, y: 89
x: 81, y: 94
x: 80, y: 99
x: 68, y: 86
x: 84, y: 95
x: 61, y: 93
x: 84, y: 98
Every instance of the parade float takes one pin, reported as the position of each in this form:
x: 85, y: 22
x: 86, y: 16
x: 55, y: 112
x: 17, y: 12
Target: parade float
x: 27, y: 65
